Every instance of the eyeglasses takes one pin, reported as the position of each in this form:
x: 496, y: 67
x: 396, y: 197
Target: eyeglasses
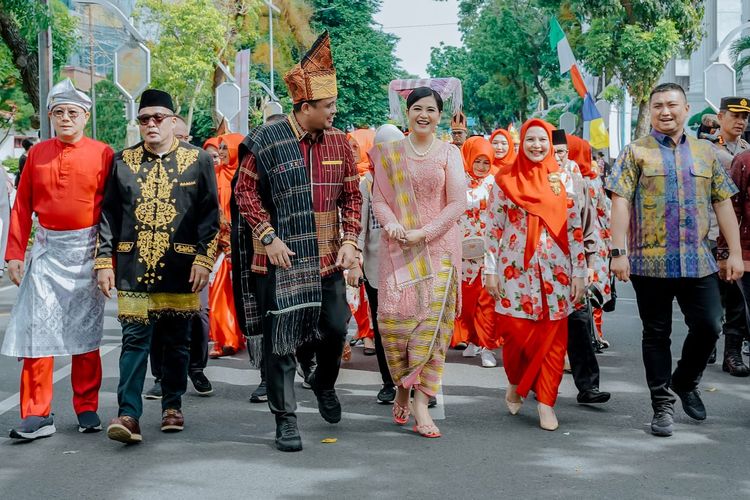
x: 157, y: 117
x: 72, y: 113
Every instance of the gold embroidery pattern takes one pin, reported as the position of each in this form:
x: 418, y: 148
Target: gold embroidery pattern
x: 132, y: 158
x: 203, y: 261
x: 185, y: 158
x: 103, y: 263
x: 155, y: 213
x: 213, y: 248
x: 140, y: 307
x: 125, y: 246
x: 185, y: 248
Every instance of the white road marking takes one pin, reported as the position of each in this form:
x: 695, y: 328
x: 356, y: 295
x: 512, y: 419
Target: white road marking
x: 11, y: 402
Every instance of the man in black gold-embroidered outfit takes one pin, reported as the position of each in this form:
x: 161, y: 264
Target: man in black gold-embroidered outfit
x: 157, y: 245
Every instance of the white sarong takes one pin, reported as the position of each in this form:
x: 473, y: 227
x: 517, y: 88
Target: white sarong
x: 59, y: 310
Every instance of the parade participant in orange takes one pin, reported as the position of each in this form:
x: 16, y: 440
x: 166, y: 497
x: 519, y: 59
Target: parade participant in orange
x: 476, y: 324
x: 580, y: 152
x: 211, y: 146
x: 505, y: 153
x: 535, y: 268
x: 223, y: 327
x: 361, y: 141
x: 59, y: 311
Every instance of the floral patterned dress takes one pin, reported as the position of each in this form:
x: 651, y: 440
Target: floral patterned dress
x: 547, y: 281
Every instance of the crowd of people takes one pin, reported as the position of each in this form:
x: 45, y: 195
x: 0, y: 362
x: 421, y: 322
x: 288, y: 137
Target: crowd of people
x: 271, y: 242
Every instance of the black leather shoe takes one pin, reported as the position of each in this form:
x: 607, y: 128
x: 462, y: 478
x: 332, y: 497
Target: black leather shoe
x: 387, y: 394
x: 662, y: 424
x: 692, y: 404
x: 733, y: 362
x: 201, y: 384
x: 593, y: 396
x: 287, y: 435
x: 329, y: 405
x: 260, y: 394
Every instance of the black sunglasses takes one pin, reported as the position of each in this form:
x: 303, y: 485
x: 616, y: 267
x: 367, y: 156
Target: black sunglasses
x: 157, y: 117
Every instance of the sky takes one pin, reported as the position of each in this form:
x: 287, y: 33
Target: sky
x: 421, y: 25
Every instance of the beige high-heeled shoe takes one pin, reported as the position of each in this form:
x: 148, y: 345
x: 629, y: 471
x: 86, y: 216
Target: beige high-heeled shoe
x: 513, y: 406
x: 547, y: 418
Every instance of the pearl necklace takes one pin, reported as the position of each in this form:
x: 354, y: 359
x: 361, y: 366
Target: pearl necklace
x: 421, y: 155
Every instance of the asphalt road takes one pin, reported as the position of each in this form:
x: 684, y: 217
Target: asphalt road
x: 226, y: 450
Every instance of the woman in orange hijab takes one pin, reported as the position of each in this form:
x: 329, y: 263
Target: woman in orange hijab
x: 223, y: 327
x: 361, y: 140
x: 212, y: 147
x: 580, y: 152
x: 476, y: 324
x: 505, y: 154
x: 535, y: 269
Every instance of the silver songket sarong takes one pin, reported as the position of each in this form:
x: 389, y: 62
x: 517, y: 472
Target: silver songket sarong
x: 59, y: 310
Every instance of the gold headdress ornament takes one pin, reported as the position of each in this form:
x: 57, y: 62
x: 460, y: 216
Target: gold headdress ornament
x: 314, y: 77
x: 458, y: 122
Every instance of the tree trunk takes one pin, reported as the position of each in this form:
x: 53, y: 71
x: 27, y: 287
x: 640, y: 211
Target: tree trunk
x: 542, y: 93
x: 24, y: 60
x: 643, y: 126
x: 192, y: 104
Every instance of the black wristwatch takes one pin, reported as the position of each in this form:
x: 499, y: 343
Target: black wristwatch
x: 618, y: 252
x: 268, y: 239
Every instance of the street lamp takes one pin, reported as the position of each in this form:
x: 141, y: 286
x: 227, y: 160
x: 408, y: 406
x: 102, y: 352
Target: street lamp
x: 271, y: 9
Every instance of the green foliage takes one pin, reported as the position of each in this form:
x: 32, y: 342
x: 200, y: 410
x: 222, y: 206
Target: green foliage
x: 111, y: 125
x: 631, y: 40
x: 739, y: 58
x: 364, y: 58
x: 505, y: 65
x: 190, y: 35
x: 30, y: 18
x: 11, y: 165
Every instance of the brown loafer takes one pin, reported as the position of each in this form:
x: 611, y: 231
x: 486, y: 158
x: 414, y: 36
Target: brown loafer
x: 172, y: 420
x: 125, y: 430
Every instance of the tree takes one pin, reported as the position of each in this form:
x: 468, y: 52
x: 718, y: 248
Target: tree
x: 20, y: 22
x: 740, y: 60
x: 506, y: 65
x: 189, y: 35
x: 364, y: 57
x: 631, y: 40
x: 111, y: 125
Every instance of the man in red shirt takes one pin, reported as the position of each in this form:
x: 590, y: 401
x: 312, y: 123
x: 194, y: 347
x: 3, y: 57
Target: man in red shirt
x: 298, y: 193
x: 59, y: 310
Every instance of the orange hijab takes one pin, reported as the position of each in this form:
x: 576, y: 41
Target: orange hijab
x: 510, y: 156
x: 580, y: 152
x: 366, y: 140
x: 473, y: 148
x: 527, y: 184
x: 211, y: 142
x: 225, y: 172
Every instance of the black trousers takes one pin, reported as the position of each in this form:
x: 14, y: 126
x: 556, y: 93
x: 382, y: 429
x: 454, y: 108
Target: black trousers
x: 280, y: 369
x: 581, y: 351
x: 174, y: 333
x: 198, y: 347
x: 700, y: 302
x: 372, y: 298
x: 735, y: 319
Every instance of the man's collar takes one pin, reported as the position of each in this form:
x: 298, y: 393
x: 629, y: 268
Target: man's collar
x: 299, y: 131
x: 662, y: 138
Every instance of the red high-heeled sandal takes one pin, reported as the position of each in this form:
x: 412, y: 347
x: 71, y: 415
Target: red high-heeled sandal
x: 400, y: 413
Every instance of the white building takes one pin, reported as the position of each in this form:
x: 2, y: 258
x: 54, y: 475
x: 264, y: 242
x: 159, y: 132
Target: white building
x: 721, y: 22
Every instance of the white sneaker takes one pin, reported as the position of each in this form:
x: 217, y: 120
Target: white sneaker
x: 471, y: 351
x: 488, y: 358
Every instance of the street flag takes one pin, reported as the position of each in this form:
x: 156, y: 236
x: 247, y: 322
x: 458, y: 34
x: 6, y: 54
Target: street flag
x: 559, y: 42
